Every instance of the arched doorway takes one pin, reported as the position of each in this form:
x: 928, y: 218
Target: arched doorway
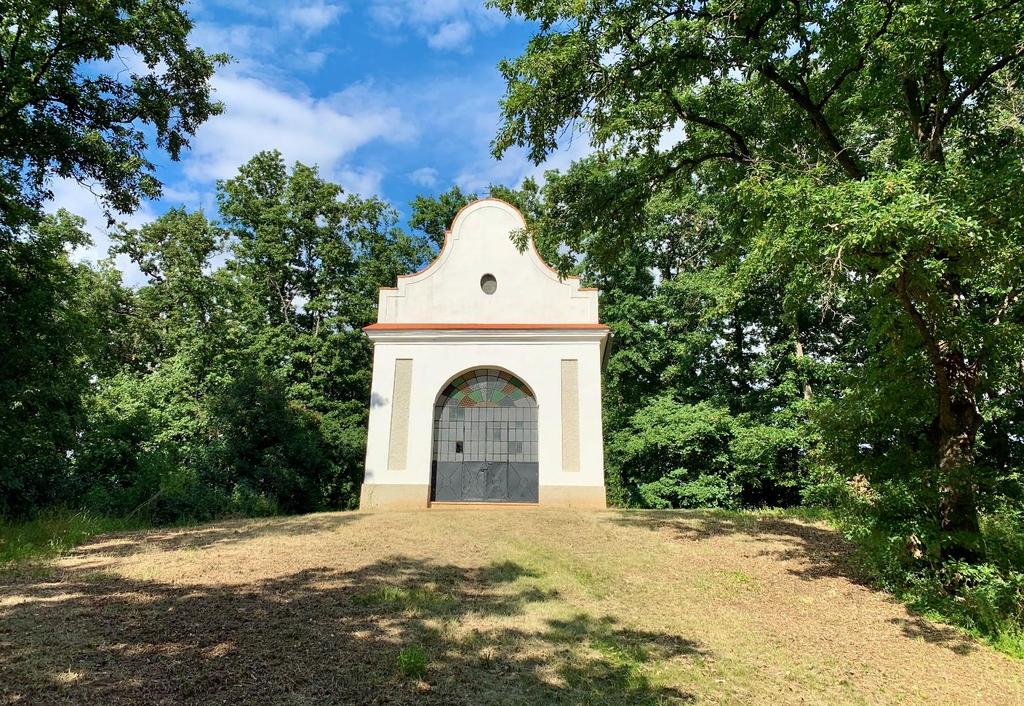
x: 485, y: 440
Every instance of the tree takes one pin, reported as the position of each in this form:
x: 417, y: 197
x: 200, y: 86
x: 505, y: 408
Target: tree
x: 84, y: 84
x: 51, y: 338
x: 434, y: 214
x: 244, y: 384
x: 871, y: 153
x: 698, y: 361
x: 182, y: 302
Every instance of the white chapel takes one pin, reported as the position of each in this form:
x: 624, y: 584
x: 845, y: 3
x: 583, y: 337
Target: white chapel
x: 486, y: 378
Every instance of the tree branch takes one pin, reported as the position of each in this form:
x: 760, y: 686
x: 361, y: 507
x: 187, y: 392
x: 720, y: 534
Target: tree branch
x: 739, y: 142
x: 993, y: 10
x: 691, y: 162
x: 850, y: 165
x: 914, y: 110
x: 58, y: 46
x: 1009, y: 300
x: 974, y: 86
x: 687, y: 115
x: 763, y: 20
x: 931, y: 346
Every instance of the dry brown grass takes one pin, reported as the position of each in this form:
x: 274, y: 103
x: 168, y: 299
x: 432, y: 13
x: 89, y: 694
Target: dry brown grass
x: 475, y: 607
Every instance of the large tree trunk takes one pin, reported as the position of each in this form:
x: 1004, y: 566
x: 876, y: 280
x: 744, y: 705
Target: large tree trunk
x: 958, y: 510
x: 956, y: 431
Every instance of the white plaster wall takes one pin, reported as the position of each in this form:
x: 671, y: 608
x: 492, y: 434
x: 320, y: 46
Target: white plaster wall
x: 448, y: 291
x: 535, y: 359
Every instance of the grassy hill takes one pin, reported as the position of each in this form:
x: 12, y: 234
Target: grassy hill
x: 505, y: 606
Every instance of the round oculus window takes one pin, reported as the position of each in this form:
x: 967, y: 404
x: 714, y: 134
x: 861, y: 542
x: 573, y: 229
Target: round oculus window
x: 488, y: 284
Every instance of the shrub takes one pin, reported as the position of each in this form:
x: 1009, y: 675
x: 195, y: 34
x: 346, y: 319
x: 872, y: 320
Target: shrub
x: 676, y: 455
x: 53, y: 532
x: 899, y: 548
x: 766, y: 463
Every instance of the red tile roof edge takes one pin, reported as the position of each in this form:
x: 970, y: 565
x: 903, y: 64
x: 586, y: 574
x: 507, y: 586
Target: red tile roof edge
x: 482, y: 327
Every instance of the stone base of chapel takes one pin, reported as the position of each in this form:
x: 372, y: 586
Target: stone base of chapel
x: 392, y: 496
x: 584, y: 497
x: 389, y: 496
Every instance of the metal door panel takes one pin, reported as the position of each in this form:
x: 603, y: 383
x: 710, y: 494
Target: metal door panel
x: 474, y: 481
x: 497, y: 482
x: 447, y: 481
x: 522, y: 482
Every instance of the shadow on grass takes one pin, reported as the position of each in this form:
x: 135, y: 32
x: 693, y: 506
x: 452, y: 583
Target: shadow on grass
x: 817, y: 552
x: 918, y: 628
x: 321, y: 636
x: 218, y: 533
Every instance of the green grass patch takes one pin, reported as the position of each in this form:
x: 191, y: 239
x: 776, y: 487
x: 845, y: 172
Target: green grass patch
x: 416, y: 598
x: 1009, y: 641
x: 619, y: 653
x: 807, y: 513
x: 412, y: 661
x: 55, y: 532
x: 997, y: 627
x: 738, y: 578
x: 749, y: 517
x: 544, y: 560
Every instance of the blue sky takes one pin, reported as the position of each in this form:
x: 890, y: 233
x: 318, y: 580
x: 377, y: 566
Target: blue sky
x: 388, y: 97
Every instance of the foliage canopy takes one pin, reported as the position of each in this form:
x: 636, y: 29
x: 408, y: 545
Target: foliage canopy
x: 84, y: 83
x: 867, y: 154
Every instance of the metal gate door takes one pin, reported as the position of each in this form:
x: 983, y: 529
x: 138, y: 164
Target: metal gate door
x: 485, y: 472
x: 485, y: 440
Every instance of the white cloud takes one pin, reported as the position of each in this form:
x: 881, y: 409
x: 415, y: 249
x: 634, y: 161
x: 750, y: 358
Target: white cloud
x: 239, y: 40
x: 397, y: 12
x: 322, y: 131
x: 424, y: 176
x: 272, y: 38
x: 310, y: 17
x: 452, y: 35
x: 439, y: 106
x: 363, y: 182
x: 313, y: 59
x: 249, y: 45
x: 181, y: 195
x: 447, y: 25
x: 515, y: 166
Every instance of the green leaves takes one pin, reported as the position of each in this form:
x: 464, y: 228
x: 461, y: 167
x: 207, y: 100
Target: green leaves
x: 234, y: 381
x: 678, y: 454
x: 701, y: 455
x: 51, y: 343
x: 864, y: 160
x: 310, y: 255
x: 73, y: 108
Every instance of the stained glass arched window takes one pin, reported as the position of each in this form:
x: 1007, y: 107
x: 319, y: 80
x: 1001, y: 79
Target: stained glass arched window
x: 486, y: 388
x: 485, y: 415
